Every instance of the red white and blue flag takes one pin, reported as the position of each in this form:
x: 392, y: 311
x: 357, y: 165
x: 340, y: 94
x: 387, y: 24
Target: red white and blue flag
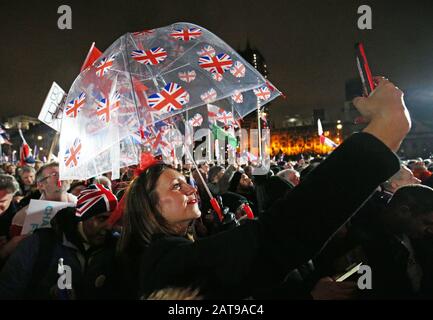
x: 105, y: 65
x: 209, y: 96
x: 216, y: 64
x: 238, y: 70
x: 238, y: 97
x: 262, y: 93
x: 186, y: 34
x: 196, y: 121
x: 213, y: 111
x: 207, y: 51
x: 187, y: 76
x: 150, y: 57
x: 72, y: 154
x: 172, y: 97
x: 73, y: 107
x: 106, y: 106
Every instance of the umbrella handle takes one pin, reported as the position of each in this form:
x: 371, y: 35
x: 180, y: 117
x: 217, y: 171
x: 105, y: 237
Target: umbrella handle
x: 248, y: 211
x: 215, y: 205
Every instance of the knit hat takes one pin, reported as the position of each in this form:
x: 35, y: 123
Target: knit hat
x: 234, y: 182
x: 213, y: 172
x: 94, y: 200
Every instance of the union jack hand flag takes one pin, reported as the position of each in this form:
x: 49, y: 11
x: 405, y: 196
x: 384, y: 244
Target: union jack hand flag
x: 217, y: 76
x: 72, y: 154
x: 262, y: 93
x: 186, y: 34
x: 209, y: 96
x: 150, y: 57
x: 95, y: 195
x: 187, y: 76
x: 196, y: 121
x: 238, y: 97
x: 216, y: 64
x: 172, y: 97
x: 238, y: 70
x: 73, y: 107
x: 212, y: 112
x: 207, y: 51
x: 107, y: 105
x: 105, y: 65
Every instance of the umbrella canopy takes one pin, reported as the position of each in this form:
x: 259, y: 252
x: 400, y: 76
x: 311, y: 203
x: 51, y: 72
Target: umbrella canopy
x: 144, y: 79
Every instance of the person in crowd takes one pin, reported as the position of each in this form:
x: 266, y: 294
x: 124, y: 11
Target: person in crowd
x: 8, y: 188
x: 80, y: 236
x: 219, y: 178
x: 392, y: 245
x: 27, y: 179
x: 77, y: 187
x: 160, y: 207
x: 244, y: 186
x: 38, y: 164
x: 291, y: 176
x: 47, y: 179
x: 11, y: 169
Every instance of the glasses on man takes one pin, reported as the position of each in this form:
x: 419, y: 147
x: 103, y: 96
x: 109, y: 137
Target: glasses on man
x: 54, y: 174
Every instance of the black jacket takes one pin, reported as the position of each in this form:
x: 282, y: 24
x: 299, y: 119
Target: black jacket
x: 31, y: 271
x: 260, y: 253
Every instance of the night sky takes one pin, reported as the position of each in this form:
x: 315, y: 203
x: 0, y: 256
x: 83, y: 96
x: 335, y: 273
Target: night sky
x: 308, y: 45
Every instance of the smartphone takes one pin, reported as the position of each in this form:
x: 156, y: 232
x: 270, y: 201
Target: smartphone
x: 364, y: 69
x: 349, y: 273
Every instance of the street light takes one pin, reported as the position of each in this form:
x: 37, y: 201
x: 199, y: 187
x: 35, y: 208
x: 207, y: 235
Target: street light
x: 40, y: 138
x: 339, y: 126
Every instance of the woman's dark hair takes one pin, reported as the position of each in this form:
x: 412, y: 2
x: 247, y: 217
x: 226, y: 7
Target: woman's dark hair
x: 142, y: 219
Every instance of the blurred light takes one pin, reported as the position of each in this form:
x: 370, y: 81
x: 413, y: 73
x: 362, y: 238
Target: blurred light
x: 339, y: 126
x: 338, y: 121
x: 40, y: 138
x: 292, y: 120
x: 326, y: 133
x: 41, y: 148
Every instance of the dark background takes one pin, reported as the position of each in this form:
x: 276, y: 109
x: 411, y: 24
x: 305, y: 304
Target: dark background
x: 308, y: 45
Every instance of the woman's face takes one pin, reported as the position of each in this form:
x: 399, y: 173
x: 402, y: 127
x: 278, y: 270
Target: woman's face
x: 177, y: 199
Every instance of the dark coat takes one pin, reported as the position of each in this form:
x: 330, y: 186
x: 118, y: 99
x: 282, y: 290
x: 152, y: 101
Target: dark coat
x: 260, y: 253
x: 89, y: 267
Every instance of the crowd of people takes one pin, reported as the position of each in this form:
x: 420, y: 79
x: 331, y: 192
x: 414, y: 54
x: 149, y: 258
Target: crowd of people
x: 288, y: 234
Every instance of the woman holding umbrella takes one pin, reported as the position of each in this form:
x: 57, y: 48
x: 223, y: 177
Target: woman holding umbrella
x: 160, y: 206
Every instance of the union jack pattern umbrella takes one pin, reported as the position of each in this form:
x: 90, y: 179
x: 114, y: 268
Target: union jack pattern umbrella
x: 145, y: 78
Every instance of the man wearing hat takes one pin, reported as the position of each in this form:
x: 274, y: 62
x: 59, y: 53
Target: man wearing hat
x: 82, y: 238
